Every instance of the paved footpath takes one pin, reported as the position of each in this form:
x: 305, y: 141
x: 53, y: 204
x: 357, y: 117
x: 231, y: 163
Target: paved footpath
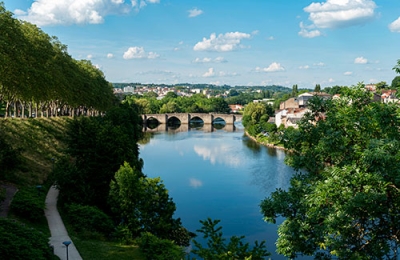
x: 57, y: 229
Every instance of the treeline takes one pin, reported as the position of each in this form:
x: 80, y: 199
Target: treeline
x: 37, y: 75
x: 172, y: 103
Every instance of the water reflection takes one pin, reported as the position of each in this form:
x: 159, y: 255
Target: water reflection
x: 195, y: 183
x: 189, y: 127
x: 221, y: 153
x: 218, y: 174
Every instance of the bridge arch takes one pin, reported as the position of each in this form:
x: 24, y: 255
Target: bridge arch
x: 185, y: 118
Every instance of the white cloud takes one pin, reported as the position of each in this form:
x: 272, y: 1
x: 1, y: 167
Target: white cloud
x: 220, y: 59
x: 195, y: 183
x: 222, y: 42
x: 65, y: 12
x: 209, y: 73
x: 319, y: 64
x: 274, y: 67
x: 89, y: 56
x: 139, y: 53
x: 195, y: 12
x: 209, y: 60
x: 271, y: 38
x: 308, y: 32
x: 212, y: 73
x: 204, y: 60
x: 360, y: 60
x: 110, y: 55
x: 348, y: 73
x: 305, y: 67
x: 395, y: 26
x: 331, y: 80
x: 341, y: 13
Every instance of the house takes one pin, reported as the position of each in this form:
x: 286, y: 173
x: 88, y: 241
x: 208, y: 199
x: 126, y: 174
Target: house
x: 290, y: 117
x: 302, y: 100
x: 236, y: 108
x: 389, y: 96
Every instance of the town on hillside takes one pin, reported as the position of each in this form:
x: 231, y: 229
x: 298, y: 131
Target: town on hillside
x: 288, y: 114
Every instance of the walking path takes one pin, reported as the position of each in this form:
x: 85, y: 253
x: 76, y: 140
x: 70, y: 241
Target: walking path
x: 57, y: 229
x: 5, y: 204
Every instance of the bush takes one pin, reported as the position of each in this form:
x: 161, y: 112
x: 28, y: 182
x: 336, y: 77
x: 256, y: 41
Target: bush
x: 88, y: 218
x: 28, y: 203
x: 154, y: 248
x: 20, y: 242
x: 9, y: 159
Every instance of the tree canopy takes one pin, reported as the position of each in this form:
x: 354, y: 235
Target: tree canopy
x: 344, y: 201
x: 36, y: 72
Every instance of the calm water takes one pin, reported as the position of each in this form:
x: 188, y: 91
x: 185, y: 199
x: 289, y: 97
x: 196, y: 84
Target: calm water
x: 219, y: 174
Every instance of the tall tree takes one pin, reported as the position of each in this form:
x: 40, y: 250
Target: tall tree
x: 144, y: 205
x: 295, y: 90
x: 345, y: 200
x: 317, y: 88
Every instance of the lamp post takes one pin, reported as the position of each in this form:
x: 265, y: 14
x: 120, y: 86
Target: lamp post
x: 39, y: 189
x: 67, y: 243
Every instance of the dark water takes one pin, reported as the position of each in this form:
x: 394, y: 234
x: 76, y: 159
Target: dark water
x: 219, y: 174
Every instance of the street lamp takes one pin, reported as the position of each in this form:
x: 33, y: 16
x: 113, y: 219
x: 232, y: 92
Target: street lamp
x: 39, y: 189
x: 67, y: 243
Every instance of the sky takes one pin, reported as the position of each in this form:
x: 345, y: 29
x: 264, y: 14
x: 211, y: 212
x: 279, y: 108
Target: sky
x: 233, y: 42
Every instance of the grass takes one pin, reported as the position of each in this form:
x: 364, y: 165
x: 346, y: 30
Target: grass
x: 95, y: 249
x: 40, y: 142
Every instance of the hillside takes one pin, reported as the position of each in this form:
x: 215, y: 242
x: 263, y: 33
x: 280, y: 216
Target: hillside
x: 40, y: 143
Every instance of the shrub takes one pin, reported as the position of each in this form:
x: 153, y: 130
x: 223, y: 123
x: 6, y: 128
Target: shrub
x: 21, y: 242
x: 89, y: 218
x: 154, y: 248
x: 28, y: 203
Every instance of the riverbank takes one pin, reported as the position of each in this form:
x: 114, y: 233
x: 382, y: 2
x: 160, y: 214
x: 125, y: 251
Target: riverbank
x: 264, y: 143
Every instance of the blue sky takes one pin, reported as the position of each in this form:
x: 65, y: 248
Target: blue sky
x: 234, y: 42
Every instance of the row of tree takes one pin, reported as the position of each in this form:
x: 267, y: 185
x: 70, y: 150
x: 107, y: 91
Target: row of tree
x: 172, y: 103
x: 38, y: 74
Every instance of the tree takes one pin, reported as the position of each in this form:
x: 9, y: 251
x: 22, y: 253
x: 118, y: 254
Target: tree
x: 218, y: 249
x: 396, y: 68
x: 317, y: 88
x: 295, y: 90
x: 381, y: 85
x: 144, y: 205
x: 396, y: 82
x: 97, y: 147
x: 344, y: 201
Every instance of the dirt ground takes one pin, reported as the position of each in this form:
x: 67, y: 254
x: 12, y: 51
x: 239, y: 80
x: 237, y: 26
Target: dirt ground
x: 5, y: 205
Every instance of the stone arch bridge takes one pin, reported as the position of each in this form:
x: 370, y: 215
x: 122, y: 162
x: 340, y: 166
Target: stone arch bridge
x: 184, y: 118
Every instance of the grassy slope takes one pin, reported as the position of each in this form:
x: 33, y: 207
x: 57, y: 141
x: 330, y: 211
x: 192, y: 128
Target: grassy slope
x: 40, y: 141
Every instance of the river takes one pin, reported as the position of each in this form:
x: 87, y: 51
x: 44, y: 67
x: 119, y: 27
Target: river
x: 221, y: 174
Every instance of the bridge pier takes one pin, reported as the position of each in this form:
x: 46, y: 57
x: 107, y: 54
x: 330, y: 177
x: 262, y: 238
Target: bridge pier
x: 185, y: 118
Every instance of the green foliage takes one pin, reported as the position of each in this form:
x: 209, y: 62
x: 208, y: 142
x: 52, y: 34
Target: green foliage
x: 18, y: 241
x: 396, y: 68
x: 89, y: 218
x: 217, y: 248
x: 317, y: 88
x: 144, y: 205
x: 396, y: 82
x: 344, y: 202
x: 28, y: 203
x: 255, y: 118
x: 97, y: 146
x: 9, y: 159
x: 37, y: 72
x: 154, y: 248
